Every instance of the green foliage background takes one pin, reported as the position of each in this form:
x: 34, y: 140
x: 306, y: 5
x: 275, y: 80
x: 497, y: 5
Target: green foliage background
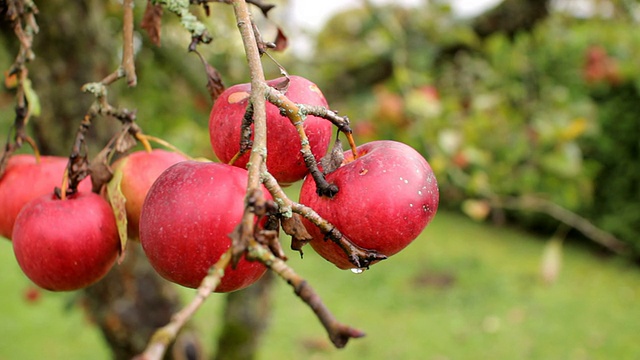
x: 513, y: 117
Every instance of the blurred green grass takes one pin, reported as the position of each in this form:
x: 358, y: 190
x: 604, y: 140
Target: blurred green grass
x: 463, y: 290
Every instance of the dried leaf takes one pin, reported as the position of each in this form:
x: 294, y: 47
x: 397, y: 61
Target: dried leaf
x: 152, y: 22
x: 294, y: 227
x: 333, y: 159
x: 118, y: 202
x: 281, y: 42
x: 100, y: 170
x: 283, y: 85
x: 214, y: 82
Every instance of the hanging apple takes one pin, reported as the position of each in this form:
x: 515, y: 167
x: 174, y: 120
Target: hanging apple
x: 64, y: 245
x: 387, y: 196
x: 186, y: 220
x: 139, y: 170
x: 25, y: 179
x: 284, y: 159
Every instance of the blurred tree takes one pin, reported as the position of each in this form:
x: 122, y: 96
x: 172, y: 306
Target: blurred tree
x: 511, y: 16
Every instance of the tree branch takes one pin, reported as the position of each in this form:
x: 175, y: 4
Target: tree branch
x: 128, y: 63
x: 565, y: 216
x: 359, y: 257
x: 164, y: 336
x: 338, y: 333
x: 297, y: 115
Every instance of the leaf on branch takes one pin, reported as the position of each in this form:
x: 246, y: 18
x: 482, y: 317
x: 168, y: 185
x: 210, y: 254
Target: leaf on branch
x: 32, y: 98
x: 118, y: 202
x: 99, y: 169
x: 333, y: 159
x: 294, y: 227
x: 283, y: 85
x: 152, y: 22
x: 214, y: 81
x: 125, y: 141
x: 281, y: 42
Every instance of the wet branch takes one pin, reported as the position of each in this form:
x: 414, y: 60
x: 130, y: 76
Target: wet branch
x: 297, y: 115
x: 338, y: 333
x: 359, y: 257
x: 163, y: 337
x: 341, y: 122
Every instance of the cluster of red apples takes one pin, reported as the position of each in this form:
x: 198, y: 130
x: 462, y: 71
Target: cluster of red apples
x: 182, y: 211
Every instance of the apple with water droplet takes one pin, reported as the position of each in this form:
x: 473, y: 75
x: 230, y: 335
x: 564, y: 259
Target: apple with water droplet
x: 186, y: 220
x: 139, y: 170
x: 387, y: 196
x: 64, y: 245
x: 25, y: 179
x: 284, y: 159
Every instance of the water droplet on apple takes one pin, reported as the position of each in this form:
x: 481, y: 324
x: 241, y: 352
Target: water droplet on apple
x: 357, y: 270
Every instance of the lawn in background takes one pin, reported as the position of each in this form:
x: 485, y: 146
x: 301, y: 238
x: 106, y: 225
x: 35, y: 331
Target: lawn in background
x: 462, y: 290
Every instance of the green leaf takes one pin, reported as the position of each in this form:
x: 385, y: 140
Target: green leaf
x: 32, y: 98
x: 118, y: 201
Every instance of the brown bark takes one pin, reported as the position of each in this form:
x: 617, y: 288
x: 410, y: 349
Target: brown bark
x: 246, y: 317
x: 74, y: 47
x: 130, y: 303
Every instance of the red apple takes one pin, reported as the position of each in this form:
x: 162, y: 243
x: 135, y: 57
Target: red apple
x: 284, y: 159
x: 64, y: 245
x: 24, y: 180
x: 139, y: 170
x: 186, y: 220
x: 387, y: 197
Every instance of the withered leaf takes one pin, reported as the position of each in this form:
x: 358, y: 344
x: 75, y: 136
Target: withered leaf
x: 283, y: 85
x: 152, y: 22
x: 333, y: 159
x: 118, y: 202
x: 299, y: 235
x: 215, y: 85
x: 101, y: 173
x: 281, y: 42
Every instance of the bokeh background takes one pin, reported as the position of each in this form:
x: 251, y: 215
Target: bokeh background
x: 528, y: 111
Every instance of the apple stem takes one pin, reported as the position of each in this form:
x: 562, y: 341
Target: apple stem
x: 144, y: 140
x: 157, y: 140
x: 65, y: 184
x: 352, y: 145
x: 342, y: 122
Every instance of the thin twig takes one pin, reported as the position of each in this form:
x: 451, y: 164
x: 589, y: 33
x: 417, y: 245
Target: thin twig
x: 163, y: 337
x: 338, y: 333
x: 358, y: 256
x: 296, y: 115
x: 342, y: 122
x: 128, y: 63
